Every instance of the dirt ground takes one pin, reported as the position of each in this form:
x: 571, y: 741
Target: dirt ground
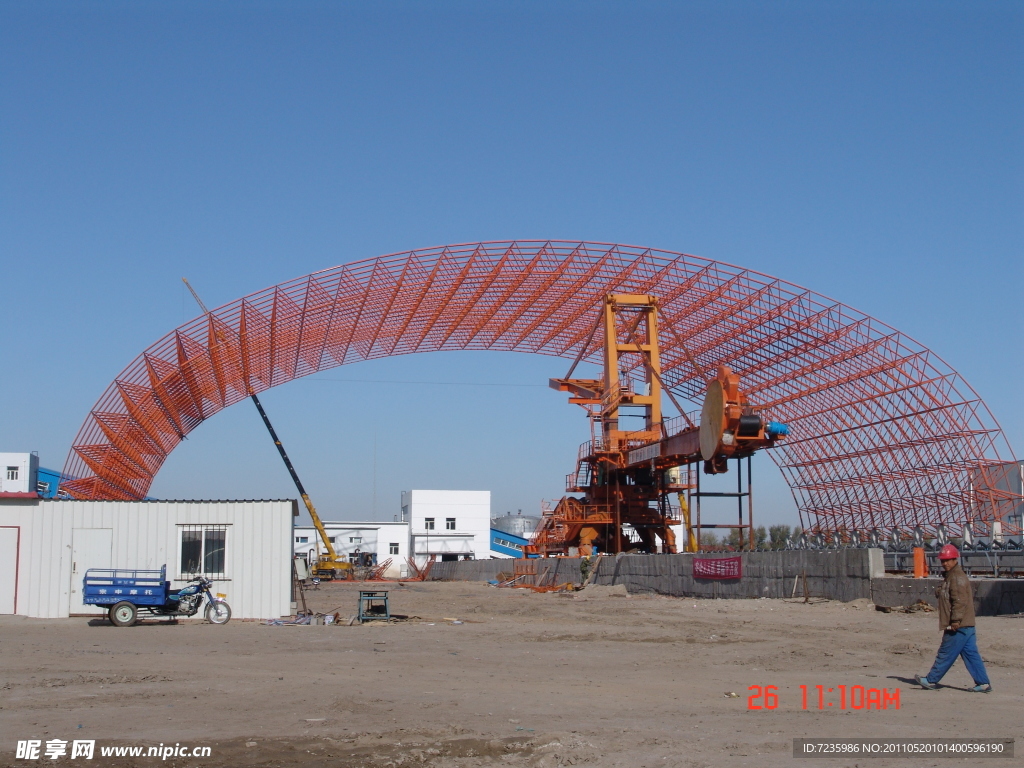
x: 538, y: 680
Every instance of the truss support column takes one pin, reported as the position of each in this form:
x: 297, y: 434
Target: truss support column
x: 697, y: 496
x: 750, y: 500
x: 739, y: 501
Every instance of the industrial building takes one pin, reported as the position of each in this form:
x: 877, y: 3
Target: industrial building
x: 19, y: 474
x: 448, y: 525
x: 383, y: 541
x: 47, y: 545
x: 445, y: 525
x: 511, y: 533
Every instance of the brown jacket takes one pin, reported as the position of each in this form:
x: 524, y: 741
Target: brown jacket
x: 956, y: 598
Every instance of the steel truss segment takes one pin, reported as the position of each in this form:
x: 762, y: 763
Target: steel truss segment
x: 411, y: 266
x: 454, y: 284
x: 827, y: 385
x: 553, y: 308
x: 127, y: 437
x: 518, y: 277
x: 747, y: 331
x: 362, y: 294
x: 317, y: 305
x: 800, y: 361
x: 848, y: 463
x: 738, y: 309
x: 884, y: 431
x: 286, y: 324
x: 344, y: 316
x: 480, y: 291
x: 595, y: 298
x: 138, y: 404
x: 416, y: 303
x: 527, y: 304
x: 222, y: 357
x: 254, y: 339
x: 161, y: 373
x: 185, y: 348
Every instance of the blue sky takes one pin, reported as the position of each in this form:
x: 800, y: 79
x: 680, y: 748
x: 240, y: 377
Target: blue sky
x: 869, y: 151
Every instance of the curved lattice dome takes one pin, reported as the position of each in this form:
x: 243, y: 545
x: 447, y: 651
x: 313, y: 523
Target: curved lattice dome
x: 885, y: 434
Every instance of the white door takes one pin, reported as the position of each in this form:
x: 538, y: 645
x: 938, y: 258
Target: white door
x: 8, y: 569
x: 90, y: 548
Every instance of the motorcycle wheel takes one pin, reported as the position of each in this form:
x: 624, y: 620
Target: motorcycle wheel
x: 218, y: 613
x: 123, y: 614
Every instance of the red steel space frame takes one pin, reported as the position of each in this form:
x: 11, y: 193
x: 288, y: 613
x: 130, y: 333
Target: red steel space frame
x: 884, y: 433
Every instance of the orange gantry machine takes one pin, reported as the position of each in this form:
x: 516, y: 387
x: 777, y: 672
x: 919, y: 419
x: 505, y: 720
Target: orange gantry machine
x: 627, y: 477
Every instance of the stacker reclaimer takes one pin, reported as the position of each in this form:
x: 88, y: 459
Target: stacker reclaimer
x: 627, y: 477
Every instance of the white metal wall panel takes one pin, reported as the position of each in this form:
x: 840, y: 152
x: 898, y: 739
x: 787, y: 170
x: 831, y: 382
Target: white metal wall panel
x: 9, y: 541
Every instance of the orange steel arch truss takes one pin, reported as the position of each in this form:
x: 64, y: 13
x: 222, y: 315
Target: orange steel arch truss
x: 884, y: 433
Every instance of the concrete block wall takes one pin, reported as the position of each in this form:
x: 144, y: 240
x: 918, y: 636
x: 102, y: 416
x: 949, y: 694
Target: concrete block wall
x: 992, y: 597
x: 845, y: 574
x: 560, y: 569
x: 835, y: 574
x: 469, y: 570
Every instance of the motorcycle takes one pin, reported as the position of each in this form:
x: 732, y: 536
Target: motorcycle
x: 188, y: 600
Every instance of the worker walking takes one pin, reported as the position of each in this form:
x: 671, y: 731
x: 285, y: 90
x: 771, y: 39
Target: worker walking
x: 956, y: 620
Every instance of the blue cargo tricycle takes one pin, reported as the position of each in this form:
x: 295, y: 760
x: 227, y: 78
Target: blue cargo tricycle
x: 128, y: 592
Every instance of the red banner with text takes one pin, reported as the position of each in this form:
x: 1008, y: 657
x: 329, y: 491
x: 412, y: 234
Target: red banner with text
x: 717, y: 567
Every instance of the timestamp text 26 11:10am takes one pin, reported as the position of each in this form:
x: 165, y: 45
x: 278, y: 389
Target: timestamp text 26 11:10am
x: 839, y: 697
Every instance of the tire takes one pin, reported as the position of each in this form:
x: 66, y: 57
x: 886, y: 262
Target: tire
x: 218, y: 613
x: 123, y: 614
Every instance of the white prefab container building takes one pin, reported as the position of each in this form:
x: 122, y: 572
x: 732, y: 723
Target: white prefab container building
x: 46, y: 546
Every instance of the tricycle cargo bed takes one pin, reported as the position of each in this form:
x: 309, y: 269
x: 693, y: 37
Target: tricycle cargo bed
x: 108, y: 586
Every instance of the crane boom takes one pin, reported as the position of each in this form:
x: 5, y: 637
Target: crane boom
x: 298, y: 483
x: 328, y: 563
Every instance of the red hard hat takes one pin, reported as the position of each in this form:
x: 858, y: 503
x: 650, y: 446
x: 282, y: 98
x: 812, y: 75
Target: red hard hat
x: 949, y: 552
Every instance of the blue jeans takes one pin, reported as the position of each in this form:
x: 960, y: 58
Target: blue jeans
x: 960, y: 643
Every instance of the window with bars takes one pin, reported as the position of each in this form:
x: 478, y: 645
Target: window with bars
x: 203, y: 550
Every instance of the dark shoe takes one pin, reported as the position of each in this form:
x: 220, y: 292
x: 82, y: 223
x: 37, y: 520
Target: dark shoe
x: 986, y: 688
x: 923, y: 682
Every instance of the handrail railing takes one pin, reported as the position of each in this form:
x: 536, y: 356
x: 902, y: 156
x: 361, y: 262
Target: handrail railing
x: 666, y: 428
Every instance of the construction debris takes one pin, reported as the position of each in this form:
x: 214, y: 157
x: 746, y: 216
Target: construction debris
x: 417, y: 573
x: 918, y: 607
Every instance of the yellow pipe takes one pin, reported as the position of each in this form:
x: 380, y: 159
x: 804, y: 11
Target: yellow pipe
x: 691, y: 540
